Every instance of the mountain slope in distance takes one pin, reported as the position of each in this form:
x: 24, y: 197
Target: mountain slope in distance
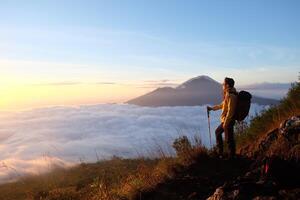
x: 200, y: 90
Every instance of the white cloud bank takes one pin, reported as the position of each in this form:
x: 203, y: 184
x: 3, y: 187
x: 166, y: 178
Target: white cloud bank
x: 31, y: 141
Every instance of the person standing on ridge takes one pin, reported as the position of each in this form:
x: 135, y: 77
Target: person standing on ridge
x: 228, y: 107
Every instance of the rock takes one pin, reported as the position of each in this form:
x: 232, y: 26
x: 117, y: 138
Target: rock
x: 192, y: 195
x: 218, y: 195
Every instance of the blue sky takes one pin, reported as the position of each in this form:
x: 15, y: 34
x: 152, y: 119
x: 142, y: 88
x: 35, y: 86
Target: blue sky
x: 123, y: 41
x: 185, y: 37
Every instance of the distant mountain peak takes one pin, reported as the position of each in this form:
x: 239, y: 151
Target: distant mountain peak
x: 164, y: 89
x: 198, y: 78
x: 205, y: 77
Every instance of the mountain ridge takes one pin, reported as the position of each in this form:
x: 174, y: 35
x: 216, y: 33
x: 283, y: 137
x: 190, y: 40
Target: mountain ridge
x: 199, y: 90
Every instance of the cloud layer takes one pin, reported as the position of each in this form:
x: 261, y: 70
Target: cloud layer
x: 32, y: 141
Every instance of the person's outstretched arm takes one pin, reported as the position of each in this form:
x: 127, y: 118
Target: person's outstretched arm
x: 216, y: 107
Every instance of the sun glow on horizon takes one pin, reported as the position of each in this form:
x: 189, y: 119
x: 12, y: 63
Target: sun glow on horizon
x: 19, y: 97
x: 32, y: 84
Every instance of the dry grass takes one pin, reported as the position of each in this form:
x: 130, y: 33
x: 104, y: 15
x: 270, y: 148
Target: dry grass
x: 83, y: 180
x: 105, y: 180
x: 147, y: 178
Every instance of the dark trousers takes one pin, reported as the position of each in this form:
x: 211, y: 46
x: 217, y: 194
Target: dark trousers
x: 229, y: 138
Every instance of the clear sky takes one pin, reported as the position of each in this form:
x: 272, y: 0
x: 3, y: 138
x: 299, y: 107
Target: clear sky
x: 81, y: 52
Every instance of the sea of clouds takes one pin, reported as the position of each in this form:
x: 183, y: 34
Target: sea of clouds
x: 34, y: 141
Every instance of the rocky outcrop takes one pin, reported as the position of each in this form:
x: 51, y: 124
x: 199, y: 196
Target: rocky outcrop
x: 283, y: 141
x: 273, y: 179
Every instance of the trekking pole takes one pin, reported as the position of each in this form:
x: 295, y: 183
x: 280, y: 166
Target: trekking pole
x: 209, y: 127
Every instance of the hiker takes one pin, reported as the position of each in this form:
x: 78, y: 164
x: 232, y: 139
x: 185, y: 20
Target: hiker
x: 228, y: 107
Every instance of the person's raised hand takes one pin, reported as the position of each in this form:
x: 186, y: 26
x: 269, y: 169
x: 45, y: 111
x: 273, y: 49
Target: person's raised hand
x: 209, y: 108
